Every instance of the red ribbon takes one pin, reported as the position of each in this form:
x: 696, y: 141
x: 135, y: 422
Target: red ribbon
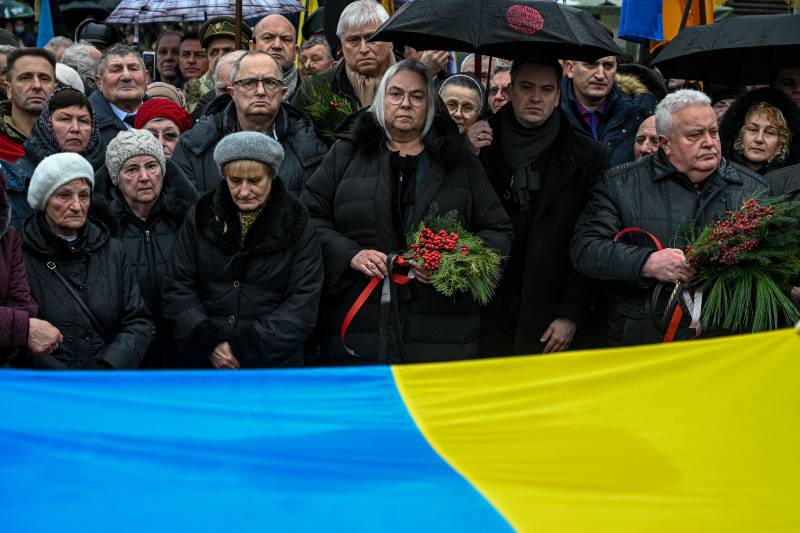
x: 677, y: 315
x: 365, y: 294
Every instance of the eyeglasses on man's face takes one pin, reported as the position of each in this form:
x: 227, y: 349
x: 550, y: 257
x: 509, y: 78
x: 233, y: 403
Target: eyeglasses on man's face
x: 250, y: 85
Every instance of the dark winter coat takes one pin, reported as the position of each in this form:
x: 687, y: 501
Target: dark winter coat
x: 620, y: 122
x: 545, y: 286
x: 734, y: 118
x: 99, y: 272
x: 16, y: 304
x: 37, y: 147
x: 260, y: 296
x: 148, y: 245
x: 785, y: 181
x: 652, y: 195
x: 303, y: 151
x: 349, y: 198
x: 109, y: 123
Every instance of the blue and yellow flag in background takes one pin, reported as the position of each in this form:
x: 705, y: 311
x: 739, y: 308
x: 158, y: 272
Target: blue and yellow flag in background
x: 659, y: 20
x: 685, y: 437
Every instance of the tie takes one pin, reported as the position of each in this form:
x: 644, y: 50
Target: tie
x: 130, y: 119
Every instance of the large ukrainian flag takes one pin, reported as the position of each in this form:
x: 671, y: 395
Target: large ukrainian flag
x: 688, y: 437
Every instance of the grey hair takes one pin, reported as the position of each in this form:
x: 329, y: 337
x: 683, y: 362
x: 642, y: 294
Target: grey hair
x: 360, y: 14
x: 251, y: 53
x: 230, y: 57
x: 77, y: 57
x: 467, y: 82
x: 58, y: 42
x: 673, y: 103
x: 316, y: 40
x: 117, y: 50
x: 7, y: 48
x: 378, y: 108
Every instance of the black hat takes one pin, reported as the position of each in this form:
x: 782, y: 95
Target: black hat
x: 315, y: 23
x: 223, y: 27
x: 100, y: 34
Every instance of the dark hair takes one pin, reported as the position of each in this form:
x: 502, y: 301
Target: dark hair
x: 32, y: 52
x: 68, y: 97
x: 191, y: 36
x: 541, y: 61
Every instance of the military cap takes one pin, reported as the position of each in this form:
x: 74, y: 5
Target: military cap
x: 223, y: 27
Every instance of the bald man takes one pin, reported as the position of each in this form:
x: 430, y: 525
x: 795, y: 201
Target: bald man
x: 275, y: 35
x: 646, y: 141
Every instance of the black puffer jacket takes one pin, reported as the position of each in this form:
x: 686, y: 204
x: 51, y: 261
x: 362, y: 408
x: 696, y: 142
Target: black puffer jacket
x: 148, y: 245
x: 99, y: 272
x: 652, y: 195
x: 303, y: 151
x: 349, y: 198
x: 260, y: 296
x: 734, y: 118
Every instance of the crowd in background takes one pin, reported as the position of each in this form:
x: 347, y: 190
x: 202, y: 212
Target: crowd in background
x: 193, y: 216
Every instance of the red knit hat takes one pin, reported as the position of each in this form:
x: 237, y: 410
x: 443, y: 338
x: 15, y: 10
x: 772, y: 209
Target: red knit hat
x: 163, y: 108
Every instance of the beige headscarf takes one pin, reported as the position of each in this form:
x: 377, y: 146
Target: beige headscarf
x: 365, y: 86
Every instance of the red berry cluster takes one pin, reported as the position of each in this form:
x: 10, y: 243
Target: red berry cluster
x: 431, y: 245
x: 734, y: 233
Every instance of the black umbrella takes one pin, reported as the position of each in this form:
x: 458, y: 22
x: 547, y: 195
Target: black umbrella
x: 500, y: 28
x: 735, y: 51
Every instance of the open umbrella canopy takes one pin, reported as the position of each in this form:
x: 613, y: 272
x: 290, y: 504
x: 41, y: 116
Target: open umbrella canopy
x: 735, y: 51
x: 500, y: 28
x: 142, y: 11
x: 9, y: 10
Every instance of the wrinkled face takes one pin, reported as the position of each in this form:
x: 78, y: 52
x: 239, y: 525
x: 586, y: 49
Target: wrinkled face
x: 468, y: 67
x: 249, y: 183
x: 593, y: 81
x: 405, y: 104
x: 462, y: 104
x: 258, y: 88
x: 167, y: 56
x: 32, y: 83
x: 760, y: 139
x: 276, y: 36
x: 72, y: 127
x: 534, y: 94
x: 499, y: 90
x: 140, y: 179
x: 721, y: 106
x: 218, y: 47
x: 693, y: 145
x: 66, y: 210
x: 788, y: 80
x: 368, y: 59
x: 646, y: 142
x: 192, y: 61
x: 315, y: 59
x: 167, y: 133
x: 124, y: 80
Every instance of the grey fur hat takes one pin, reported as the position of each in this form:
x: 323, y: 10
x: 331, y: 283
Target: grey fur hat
x: 54, y: 171
x: 250, y: 146
x: 130, y: 143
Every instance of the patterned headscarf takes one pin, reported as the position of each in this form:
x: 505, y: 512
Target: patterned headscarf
x: 45, y: 124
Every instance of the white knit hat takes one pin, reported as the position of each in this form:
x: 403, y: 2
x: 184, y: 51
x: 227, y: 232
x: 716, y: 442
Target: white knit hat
x: 53, y: 172
x: 69, y: 77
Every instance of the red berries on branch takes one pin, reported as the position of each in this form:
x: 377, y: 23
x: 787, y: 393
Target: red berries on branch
x: 431, y: 245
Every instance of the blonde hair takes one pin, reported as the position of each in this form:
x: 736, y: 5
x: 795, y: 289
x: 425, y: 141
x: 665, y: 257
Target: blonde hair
x: 777, y: 119
x: 245, y: 165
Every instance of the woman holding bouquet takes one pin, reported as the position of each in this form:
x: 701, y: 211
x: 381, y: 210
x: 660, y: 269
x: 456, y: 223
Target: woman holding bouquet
x: 393, y: 163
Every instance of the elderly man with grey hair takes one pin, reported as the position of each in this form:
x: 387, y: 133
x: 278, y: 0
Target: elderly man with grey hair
x: 83, y: 57
x: 686, y: 180
x: 254, y: 104
x: 221, y: 77
x: 357, y: 77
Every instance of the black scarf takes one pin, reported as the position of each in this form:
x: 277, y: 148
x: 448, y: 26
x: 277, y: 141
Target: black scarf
x: 521, y: 146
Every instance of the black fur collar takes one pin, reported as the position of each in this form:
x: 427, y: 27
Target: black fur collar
x: 279, y: 226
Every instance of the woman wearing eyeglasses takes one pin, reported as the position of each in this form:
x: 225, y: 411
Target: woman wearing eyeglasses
x: 463, y: 96
x: 166, y: 120
x: 393, y: 164
x: 66, y: 124
x: 144, y: 209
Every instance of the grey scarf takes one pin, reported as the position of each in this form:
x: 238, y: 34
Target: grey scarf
x: 292, y: 79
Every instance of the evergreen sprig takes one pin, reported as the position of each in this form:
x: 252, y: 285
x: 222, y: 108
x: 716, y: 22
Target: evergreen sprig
x: 326, y: 108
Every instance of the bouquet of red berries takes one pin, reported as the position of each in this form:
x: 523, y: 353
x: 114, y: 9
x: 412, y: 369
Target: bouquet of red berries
x: 745, y: 263
x: 458, y: 260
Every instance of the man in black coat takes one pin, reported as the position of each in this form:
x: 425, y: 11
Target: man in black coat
x: 255, y: 105
x: 686, y: 180
x: 543, y: 171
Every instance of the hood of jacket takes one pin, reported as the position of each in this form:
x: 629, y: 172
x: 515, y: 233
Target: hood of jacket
x: 280, y: 225
x: 38, y: 239
x: 734, y: 119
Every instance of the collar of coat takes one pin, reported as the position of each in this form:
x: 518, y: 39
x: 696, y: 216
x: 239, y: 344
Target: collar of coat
x: 38, y: 238
x: 662, y: 168
x: 363, y: 131
x: 280, y: 225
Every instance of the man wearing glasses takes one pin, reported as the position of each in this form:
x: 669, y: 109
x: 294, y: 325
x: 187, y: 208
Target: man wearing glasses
x: 256, y: 90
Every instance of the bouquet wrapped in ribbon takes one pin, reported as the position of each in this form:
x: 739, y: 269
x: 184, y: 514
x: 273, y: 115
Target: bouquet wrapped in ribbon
x: 458, y: 260
x: 745, y: 263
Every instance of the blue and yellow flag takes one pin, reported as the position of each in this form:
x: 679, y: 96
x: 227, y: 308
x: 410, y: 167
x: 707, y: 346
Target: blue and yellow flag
x: 659, y: 20
x: 685, y: 437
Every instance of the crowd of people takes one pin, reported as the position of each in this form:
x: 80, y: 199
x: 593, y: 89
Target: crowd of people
x: 193, y: 217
